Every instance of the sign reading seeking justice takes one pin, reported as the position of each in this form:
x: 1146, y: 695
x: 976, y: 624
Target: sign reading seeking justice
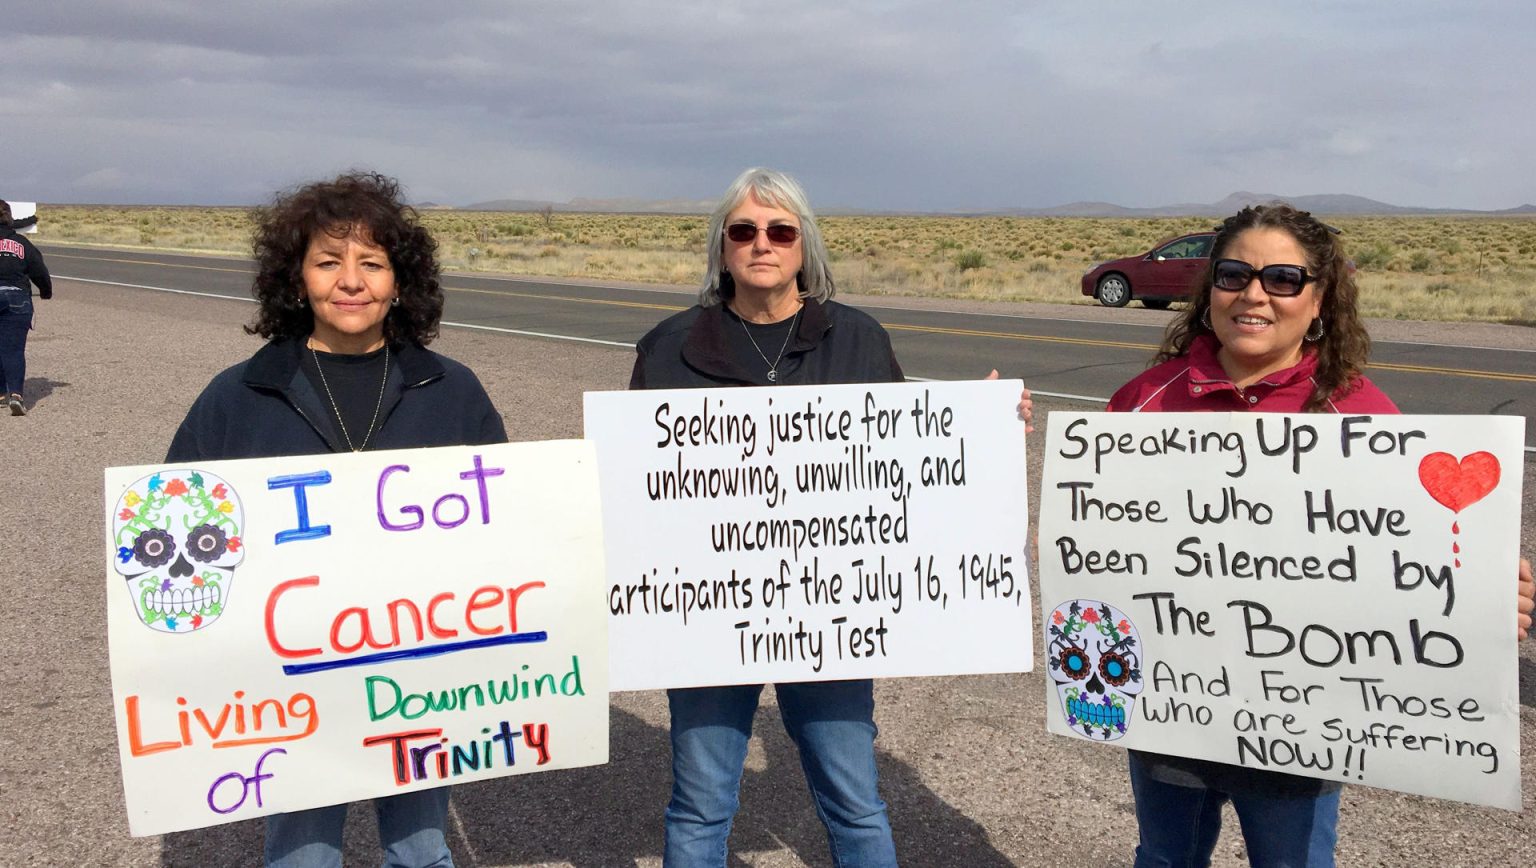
x: 813, y: 533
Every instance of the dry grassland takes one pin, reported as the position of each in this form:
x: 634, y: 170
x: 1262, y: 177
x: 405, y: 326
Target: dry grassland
x: 1429, y: 268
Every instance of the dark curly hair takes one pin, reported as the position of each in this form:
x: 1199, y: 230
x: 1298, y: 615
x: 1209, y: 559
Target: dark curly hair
x: 357, y: 202
x: 1344, y: 348
x: 5, y: 214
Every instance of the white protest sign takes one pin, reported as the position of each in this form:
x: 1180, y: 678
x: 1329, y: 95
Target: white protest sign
x: 813, y: 533
x: 20, y: 212
x: 294, y: 632
x: 1320, y: 595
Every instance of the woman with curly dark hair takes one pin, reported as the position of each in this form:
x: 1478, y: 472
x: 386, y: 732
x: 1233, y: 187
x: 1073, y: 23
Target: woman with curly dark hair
x: 347, y: 282
x: 1321, y: 297
x: 1273, y: 327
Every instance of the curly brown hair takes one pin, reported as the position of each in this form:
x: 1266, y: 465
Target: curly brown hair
x: 363, y: 203
x: 1344, y: 348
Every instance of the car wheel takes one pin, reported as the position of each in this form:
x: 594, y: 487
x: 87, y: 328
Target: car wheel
x: 1114, y: 290
x: 1156, y: 303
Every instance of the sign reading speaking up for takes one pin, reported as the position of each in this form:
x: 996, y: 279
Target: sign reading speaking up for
x: 1320, y: 595
x: 294, y: 632
x: 813, y: 533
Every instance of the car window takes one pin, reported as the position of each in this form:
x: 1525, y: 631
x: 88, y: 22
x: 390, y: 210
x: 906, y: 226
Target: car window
x: 1174, y: 250
x: 1184, y: 248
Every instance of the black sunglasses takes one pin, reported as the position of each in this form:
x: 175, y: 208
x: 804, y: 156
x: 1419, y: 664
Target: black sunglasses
x: 779, y: 233
x: 1234, y: 275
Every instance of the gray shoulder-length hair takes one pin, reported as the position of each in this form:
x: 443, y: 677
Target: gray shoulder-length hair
x: 779, y: 191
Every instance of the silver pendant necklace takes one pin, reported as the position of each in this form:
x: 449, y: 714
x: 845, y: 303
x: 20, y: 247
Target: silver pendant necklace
x: 337, y: 410
x: 773, y: 366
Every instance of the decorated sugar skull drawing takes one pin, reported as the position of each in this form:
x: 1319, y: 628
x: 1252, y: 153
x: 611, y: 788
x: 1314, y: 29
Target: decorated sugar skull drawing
x: 178, y: 539
x: 1095, y: 655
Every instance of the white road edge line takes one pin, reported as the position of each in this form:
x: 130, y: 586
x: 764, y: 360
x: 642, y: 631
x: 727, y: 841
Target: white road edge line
x: 464, y: 325
x: 506, y: 331
x: 154, y: 288
x: 1090, y: 399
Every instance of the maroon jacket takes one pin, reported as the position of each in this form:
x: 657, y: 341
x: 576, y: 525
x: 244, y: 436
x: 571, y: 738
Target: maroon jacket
x: 1195, y: 382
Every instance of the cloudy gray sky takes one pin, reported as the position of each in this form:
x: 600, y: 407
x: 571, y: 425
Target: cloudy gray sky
x: 888, y: 105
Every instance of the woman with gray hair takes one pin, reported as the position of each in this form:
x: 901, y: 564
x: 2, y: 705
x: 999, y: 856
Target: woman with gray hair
x: 766, y: 317
x: 765, y: 314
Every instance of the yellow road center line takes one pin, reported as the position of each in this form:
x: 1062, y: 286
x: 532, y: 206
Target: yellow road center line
x: 1094, y: 342
x: 534, y: 295
x: 1015, y: 336
x: 1459, y: 372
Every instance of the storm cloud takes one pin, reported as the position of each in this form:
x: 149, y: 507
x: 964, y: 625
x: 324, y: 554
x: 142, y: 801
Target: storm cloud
x: 890, y: 105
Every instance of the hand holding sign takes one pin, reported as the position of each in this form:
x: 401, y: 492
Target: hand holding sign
x: 1527, y: 599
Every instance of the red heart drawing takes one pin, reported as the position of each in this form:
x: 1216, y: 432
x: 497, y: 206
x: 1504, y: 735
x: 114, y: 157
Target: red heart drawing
x: 1458, y: 485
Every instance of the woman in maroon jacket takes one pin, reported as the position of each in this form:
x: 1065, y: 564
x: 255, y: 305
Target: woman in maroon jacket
x: 1276, y: 330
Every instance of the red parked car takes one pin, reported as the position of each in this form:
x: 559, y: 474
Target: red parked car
x: 1157, y: 278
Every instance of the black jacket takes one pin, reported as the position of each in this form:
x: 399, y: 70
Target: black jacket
x: 265, y: 407
x: 20, y: 262
x: 833, y: 343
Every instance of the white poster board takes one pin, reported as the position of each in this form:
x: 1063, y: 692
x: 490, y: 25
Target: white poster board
x: 1320, y: 595
x: 813, y: 533
x: 294, y: 632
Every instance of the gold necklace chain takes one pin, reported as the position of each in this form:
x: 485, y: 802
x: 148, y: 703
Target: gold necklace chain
x: 337, y: 410
x: 773, y: 366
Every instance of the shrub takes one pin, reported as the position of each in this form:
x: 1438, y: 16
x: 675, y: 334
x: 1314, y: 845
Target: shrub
x: 966, y: 260
x: 1374, y: 256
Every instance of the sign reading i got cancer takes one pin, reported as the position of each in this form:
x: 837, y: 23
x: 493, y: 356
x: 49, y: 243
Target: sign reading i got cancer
x: 1320, y: 595
x: 813, y: 533
x: 294, y: 632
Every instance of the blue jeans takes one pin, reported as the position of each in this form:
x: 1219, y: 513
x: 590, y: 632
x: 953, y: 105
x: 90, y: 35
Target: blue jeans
x: 831, y: 722
x: 1179, y: 825
x: 410, y: 830
x: 15, y: 321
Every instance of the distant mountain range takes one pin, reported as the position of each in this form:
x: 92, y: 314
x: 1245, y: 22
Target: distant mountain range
x: 1327, y: 203
x: 597, y: 206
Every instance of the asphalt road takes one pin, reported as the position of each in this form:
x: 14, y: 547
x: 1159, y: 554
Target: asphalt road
x: 970, y: 774
x: 1058, y: 354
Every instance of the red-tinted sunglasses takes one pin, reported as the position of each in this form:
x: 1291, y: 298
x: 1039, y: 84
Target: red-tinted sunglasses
x: 781, y: 234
